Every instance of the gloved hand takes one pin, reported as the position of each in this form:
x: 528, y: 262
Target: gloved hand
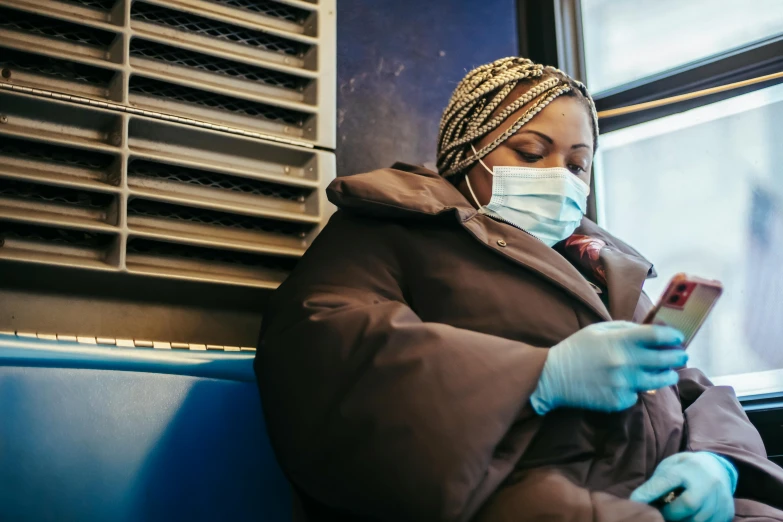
x: 604, y: 366
x: 708, y: 481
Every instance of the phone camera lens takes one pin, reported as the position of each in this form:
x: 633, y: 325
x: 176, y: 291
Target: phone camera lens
x: 673, y: 299
x: 682, y: 287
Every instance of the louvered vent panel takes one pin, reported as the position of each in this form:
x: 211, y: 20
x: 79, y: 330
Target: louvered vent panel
x: 166, y: 138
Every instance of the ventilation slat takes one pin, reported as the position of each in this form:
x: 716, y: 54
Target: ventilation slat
x: 102, y: 5
x: 177, y: 144
x: 57, y: 246
x: 48, y: 153
x: 269, y: 8
x: 35, y: 24
x: 209, y: 106
x: 56, y: 164
x: 54, y: 195
x: 12, y: 60
x: 212, y: 180
x: 219, y: 102
x: 207, y: 264
x: 222, y: 192
x: 173, y: 56
x: 221, y: 220
x: 32, y: 202
x: 46, y: 72
x: 210, y: 255
x: 215, y: 228
x: 53, y: 236
x: 199, y: 25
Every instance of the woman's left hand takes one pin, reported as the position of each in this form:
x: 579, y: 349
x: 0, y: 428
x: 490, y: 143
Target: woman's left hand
x: 707, y: 482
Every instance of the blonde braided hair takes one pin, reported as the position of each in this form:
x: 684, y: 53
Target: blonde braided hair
x: 469, y: 114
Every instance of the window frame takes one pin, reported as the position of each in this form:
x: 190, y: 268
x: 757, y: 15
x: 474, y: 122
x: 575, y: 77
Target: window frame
x: 750, y: 61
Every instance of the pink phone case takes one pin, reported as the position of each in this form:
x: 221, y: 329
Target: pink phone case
x: 685, y: 304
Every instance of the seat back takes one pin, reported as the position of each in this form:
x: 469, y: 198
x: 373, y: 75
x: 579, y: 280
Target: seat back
x: 110, y: 434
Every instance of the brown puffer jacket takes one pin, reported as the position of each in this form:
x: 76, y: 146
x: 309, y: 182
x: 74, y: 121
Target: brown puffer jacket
x: 395, y: 367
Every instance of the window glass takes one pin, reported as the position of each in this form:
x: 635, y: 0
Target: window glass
x: 701, y: 192
x: 625, y: 40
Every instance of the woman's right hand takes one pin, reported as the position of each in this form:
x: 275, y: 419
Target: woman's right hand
x: 604, y: 366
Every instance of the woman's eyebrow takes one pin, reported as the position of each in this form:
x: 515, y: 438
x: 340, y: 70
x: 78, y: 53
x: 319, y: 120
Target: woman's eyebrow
x: 548, y: 139
x: 540, y: 134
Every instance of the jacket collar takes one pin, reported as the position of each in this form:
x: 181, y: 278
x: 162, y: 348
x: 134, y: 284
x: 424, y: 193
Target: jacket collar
x: 409, y: 192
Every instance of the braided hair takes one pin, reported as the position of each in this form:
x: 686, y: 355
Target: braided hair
x: 480, y: 104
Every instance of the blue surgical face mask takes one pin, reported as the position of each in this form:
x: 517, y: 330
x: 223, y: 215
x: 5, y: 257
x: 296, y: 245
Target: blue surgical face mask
x: 547, y: 203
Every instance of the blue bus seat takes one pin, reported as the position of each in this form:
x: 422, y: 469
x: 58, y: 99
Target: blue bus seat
x: 118, y: 435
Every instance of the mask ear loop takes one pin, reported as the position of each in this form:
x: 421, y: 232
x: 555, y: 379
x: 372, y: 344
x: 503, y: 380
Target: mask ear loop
x: 467, y: 178
x: 475, y: 153
x: 475, y: 199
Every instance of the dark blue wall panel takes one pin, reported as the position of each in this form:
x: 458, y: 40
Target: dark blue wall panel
x: 398, y: 62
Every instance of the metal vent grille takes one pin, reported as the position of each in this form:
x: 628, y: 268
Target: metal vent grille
x: 200, y: 25
x: 187, y: 142
x: 203, y: 62
x: 53, y: 28
x: 268, y: 8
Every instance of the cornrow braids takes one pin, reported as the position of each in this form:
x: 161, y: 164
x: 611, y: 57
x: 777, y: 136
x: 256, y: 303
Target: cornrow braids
x: 472, y: 112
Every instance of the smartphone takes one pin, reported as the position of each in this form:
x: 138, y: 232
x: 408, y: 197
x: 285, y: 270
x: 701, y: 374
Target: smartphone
x: 685, y: 304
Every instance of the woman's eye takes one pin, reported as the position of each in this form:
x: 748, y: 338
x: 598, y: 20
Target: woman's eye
x: 576, y: 169
x: 530, y: 158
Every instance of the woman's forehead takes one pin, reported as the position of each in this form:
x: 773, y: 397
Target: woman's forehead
x: 566, y: 117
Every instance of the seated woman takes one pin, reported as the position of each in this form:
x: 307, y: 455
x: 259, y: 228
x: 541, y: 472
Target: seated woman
x: 463, y: 345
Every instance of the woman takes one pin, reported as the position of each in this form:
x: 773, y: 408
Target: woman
x: 461, y: 346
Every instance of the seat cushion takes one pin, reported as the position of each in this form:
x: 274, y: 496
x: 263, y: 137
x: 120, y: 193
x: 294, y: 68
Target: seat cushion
x: 169, y: 440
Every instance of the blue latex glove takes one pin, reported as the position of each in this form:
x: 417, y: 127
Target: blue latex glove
x: 604, y: 366
x: 708, y: 481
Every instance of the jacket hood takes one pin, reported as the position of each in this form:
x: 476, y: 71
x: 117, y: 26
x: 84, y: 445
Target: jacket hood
x: 412, y: 192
